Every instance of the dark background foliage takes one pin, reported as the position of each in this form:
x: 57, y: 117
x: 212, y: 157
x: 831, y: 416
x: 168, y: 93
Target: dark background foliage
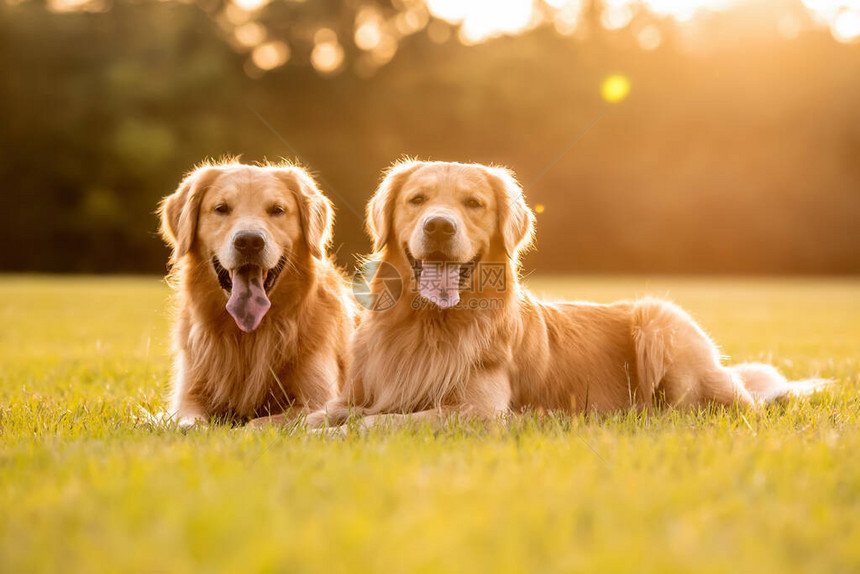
x: 744, y: 159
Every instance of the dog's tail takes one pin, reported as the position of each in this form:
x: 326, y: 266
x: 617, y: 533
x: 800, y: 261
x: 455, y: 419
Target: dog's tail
x: 767, y: 385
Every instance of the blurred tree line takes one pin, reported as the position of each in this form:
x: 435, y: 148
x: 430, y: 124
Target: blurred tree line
x: 742, y: 159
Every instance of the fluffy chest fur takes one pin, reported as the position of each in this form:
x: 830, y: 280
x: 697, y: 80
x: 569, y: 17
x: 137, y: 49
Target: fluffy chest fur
x: 241, y: 374
x: 425, y: 361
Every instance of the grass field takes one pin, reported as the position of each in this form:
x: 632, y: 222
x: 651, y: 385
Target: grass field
x: 83, y: 487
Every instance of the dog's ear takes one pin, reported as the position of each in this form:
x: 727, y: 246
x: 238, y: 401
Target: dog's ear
x: 381, y: 205
x: 315, y: 209
x: 516, y: 220
x: 179, y: 211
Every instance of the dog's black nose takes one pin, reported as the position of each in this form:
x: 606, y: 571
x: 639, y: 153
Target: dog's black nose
x: 439, y: 227
x: 249, y: 242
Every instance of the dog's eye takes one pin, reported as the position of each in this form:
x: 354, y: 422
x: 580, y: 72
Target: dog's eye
x: 473, y: 203
x: 418, y: 200
x: 277, y: 210
x: 222, y: 209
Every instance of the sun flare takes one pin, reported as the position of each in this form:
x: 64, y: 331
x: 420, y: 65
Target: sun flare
x: 615, y: 88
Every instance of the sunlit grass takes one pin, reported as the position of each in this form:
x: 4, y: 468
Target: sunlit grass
x: 83, y: 487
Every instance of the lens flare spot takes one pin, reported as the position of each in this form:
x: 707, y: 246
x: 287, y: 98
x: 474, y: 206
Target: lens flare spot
x: 368, y: 31
x: 615, y: 88
x: 367, y: 36
x: 250, y: 5
x: 270, y: 55
x: 649, y: 37
x: 327, y: 55
x: 846, y: 27
x: 540, y: 208
x: 250, y: 35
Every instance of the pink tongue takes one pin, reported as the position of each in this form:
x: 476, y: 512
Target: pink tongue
x: 248, y: 302
x: 440, y: 283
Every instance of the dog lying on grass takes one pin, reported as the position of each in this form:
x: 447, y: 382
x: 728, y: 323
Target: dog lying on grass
x: 263, y: 315
x: 456, y: 343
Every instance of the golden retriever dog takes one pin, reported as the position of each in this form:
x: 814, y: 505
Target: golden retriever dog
x: 466, y: 337
x: 263, y: 314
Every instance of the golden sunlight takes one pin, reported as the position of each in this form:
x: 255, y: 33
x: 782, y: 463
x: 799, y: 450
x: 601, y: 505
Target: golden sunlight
x: 684, y: 10
x: 250, y: 5
x: 484, y: 19
x: 76, y: 6
x: 480, y: 20
x: 842, y: 16
x: 846, y: 27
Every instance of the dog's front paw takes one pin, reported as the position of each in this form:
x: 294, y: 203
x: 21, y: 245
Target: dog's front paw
x: 191, y: 422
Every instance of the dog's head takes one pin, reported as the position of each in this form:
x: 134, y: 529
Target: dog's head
x: 247, y: 224
x: 444, y: 216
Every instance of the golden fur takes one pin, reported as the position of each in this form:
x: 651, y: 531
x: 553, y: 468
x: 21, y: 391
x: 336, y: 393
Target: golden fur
x: 501, y: 349
x: 294, y: 360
